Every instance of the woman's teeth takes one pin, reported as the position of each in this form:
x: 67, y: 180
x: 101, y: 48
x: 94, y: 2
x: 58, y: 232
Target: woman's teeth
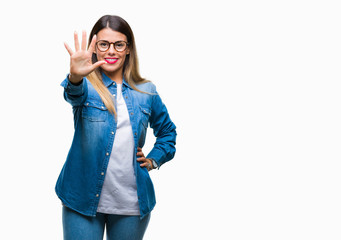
x: 111, y: 60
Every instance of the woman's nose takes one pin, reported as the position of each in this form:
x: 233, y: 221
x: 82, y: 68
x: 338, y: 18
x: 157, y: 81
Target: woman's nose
x: 111, y: 49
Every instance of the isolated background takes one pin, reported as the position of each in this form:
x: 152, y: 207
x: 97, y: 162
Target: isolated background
x: 253, y: 87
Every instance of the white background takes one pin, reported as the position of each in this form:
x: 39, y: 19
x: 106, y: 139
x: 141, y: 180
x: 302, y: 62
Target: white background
x: 253, y: 87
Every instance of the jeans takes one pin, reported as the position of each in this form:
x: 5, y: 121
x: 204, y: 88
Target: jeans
x: 118, y: 227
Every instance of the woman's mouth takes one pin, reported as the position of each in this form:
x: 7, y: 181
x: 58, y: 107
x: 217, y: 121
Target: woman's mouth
x: 111, y: 60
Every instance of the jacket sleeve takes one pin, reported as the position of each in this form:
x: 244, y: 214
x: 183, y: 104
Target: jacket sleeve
x: 75, y: 94
x: 164, y: 131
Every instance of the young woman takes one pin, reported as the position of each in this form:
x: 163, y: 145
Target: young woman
x: 105, y: 181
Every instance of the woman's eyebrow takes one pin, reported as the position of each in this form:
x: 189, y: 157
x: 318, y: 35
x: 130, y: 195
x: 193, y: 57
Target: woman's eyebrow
x: 110, y: 41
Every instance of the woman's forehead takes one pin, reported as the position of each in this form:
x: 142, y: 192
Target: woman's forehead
x: 110, y: 35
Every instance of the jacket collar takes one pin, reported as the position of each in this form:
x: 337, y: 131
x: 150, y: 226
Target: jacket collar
x: 107, y: 81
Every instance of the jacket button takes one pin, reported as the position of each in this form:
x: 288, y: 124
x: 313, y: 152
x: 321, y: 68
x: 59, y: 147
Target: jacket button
x: 131, y: 113
x: 102, y: 173
x: 97, y: 195
x: 107, y: 154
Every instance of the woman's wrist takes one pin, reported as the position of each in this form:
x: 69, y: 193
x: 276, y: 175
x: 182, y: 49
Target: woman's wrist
x: 153, y: 163
x: 76, y: 80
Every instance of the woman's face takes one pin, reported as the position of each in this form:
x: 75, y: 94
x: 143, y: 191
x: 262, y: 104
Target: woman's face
x: 115, y: 60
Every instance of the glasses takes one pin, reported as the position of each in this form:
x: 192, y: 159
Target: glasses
x: 104, y: 45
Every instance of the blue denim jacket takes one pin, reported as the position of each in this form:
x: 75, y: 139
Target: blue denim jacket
x: 81, y: 179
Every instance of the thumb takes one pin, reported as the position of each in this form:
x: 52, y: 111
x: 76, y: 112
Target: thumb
x: 97, y: 64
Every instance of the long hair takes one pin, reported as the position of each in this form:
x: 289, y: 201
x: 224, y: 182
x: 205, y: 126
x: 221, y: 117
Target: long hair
x: 130, y: 67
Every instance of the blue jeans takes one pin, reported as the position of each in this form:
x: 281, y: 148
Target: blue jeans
x: 118, y: 227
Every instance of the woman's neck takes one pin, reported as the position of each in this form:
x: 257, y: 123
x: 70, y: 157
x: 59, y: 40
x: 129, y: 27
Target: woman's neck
x: 116, y: 76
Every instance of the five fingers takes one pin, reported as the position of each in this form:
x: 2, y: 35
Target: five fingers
x: 83, y: 48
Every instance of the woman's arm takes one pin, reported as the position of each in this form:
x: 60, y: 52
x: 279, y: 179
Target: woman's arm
x: 80, y: 66
x: 164, y: 131
x: 75, y: 94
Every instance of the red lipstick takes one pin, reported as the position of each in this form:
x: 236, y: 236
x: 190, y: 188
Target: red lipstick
x: 111, y: 60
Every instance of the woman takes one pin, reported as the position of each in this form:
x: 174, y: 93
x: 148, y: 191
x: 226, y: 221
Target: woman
x: 105, y: 179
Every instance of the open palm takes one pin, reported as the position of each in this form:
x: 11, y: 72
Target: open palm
x: 80, y: 60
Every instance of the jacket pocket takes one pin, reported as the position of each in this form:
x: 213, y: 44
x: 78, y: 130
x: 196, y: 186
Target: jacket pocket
x: 94, y: 111
x: 145, y: 114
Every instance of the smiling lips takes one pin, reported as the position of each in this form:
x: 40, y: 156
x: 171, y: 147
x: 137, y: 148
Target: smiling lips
x: 111, y: 60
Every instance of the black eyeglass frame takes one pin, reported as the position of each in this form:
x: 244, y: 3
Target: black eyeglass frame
x: 114, y: 43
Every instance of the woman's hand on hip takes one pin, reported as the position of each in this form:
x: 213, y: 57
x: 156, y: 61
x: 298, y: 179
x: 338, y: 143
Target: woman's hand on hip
x: 144, y: 162
x: 80, y: 59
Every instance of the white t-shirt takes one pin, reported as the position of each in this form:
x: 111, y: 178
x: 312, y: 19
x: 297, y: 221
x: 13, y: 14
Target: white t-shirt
x: 119, y: 192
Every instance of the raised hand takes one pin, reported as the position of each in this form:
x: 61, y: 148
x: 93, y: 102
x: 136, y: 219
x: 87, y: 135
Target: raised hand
x: 80, y: 60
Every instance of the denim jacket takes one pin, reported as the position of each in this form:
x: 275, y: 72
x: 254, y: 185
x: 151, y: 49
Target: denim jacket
x: 81, y: 179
